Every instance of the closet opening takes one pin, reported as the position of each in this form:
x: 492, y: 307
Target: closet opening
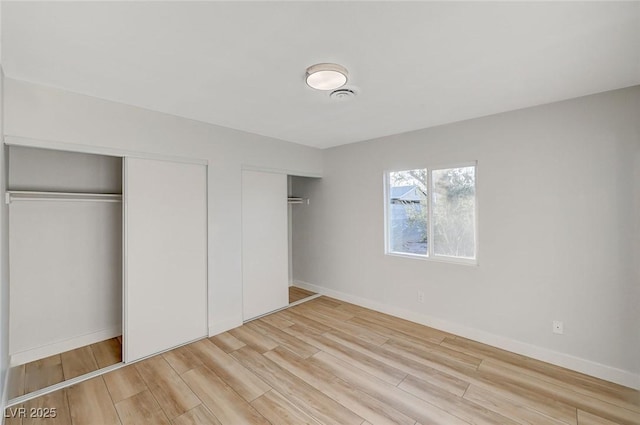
x: 274, y: 240
x: 300, y: 194
x: 65, y: 246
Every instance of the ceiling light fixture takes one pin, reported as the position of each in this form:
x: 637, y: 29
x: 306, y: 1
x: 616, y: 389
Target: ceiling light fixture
x: 326, y: 76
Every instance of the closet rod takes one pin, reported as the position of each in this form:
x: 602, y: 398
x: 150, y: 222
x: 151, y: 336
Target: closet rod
x: 27, y: 195
x: 297, y: 200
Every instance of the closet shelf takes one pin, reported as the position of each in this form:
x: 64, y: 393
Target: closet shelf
x: 27, y: 195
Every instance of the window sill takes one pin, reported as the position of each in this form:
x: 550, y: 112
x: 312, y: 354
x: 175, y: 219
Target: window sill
x: 437, y: 259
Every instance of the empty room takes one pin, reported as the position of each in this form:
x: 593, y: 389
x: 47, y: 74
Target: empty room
x: 320, y: 212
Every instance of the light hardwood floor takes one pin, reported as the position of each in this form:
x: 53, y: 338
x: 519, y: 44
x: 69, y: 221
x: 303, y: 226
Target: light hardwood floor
x: 297, y: 294
x: 329, y: 362
x: 52, y: 370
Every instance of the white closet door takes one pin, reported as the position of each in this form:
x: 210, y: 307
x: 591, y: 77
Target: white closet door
x: 165, y: 264
x: 265, y: 256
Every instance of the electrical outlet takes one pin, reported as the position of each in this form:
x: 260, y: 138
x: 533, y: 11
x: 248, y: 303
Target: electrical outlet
x: 558, y: 327
x: 420, y: 296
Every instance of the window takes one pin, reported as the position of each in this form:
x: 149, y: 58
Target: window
x: 432, y: 213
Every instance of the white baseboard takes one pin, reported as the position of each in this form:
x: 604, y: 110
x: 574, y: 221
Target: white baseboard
x: 37, y: 353
x: 219, y: 327
x: 568, y: 361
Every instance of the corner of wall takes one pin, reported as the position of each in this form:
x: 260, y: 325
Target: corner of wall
x: 4, y: 261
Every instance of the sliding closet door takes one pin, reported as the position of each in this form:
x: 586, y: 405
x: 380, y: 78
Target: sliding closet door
x: 265, y: 265
x: 165, y: 265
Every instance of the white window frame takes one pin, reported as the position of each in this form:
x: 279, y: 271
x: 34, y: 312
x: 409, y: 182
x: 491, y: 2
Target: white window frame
x: 430, y: 256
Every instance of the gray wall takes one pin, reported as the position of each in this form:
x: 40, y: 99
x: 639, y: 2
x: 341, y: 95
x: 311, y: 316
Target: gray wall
x: 58, y: 118
x: 558, y: 207
x: 305, y: 225
x: 65, y: 276
x: 57, y: 171
x: 4, y: 258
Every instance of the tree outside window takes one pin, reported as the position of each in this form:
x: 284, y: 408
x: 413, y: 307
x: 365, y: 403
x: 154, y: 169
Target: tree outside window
x: 434, y: 207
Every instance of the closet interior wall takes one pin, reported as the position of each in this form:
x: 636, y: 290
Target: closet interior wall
x: 301, y: 212
x: 65, y: 255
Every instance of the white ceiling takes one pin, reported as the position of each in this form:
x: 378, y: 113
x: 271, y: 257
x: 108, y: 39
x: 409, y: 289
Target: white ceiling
x: 242, y: 64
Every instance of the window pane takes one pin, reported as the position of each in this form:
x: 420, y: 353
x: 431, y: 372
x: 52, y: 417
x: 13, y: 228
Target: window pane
x: 408, y: 212
x: 453, y: 215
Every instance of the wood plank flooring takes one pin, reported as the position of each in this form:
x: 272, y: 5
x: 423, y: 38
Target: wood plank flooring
x: 52, y: 370
x: 334, y: 363
x: 297, y: 294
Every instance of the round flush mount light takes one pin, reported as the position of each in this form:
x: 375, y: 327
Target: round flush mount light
x: 326, y: 76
